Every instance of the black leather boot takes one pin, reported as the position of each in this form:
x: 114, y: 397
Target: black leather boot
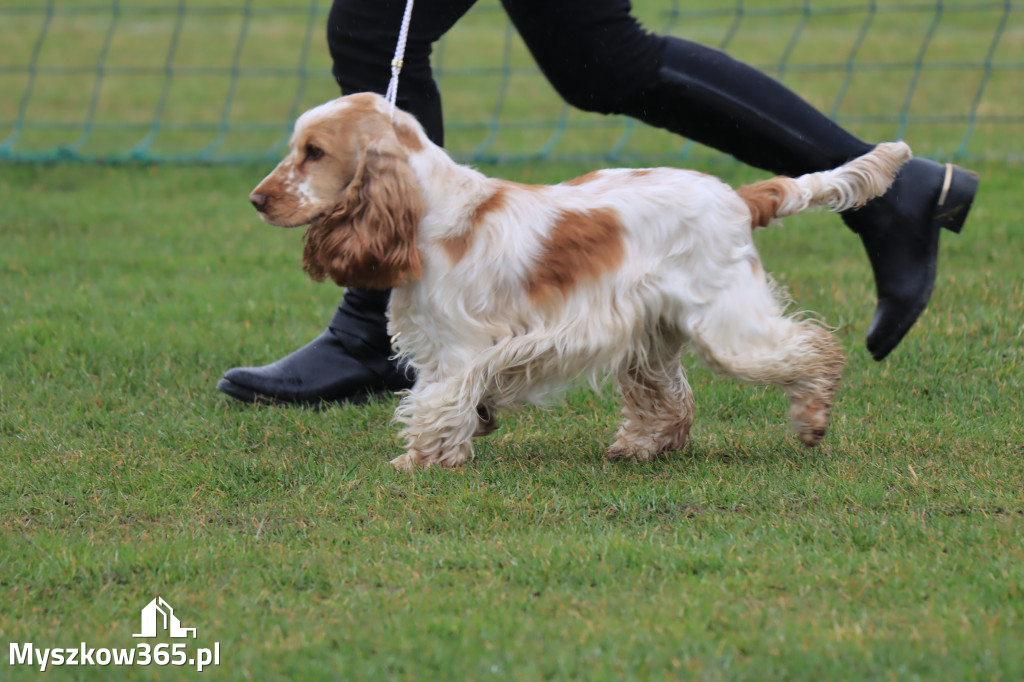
x: 900, y: 232
x: 349, y: 362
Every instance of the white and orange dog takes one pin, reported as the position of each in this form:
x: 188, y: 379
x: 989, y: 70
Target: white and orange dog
x: 505, y: 293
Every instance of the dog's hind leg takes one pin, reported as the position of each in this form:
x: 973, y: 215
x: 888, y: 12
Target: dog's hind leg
x: 744, y: 334
x: 657, y: 408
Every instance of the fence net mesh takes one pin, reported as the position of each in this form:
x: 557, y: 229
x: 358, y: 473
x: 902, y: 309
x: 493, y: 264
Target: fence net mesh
x: 223, y: 80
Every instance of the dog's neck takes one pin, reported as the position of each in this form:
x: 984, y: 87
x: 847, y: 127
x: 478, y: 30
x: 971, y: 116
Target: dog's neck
x: 449, y: 190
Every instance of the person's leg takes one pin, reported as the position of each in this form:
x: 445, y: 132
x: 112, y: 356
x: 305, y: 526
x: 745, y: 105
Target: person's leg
x: 352, y: 358
x: 600, y: 59
x: 361, y: 37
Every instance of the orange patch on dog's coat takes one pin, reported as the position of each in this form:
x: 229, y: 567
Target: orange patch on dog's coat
x: 494, y: 202
x: 582, y: 245
x: 583, y: 179
x: 408, y: 137
x: 458, y: 245
x: 763, y: 200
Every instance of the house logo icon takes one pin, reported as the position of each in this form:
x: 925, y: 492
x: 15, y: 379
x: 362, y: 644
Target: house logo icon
x: 158, y: 615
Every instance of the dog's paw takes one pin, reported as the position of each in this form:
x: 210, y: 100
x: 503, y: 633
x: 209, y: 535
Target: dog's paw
x: 810, y: 422
x: 404, y: 462
x: 811, y: 436
x: 452, y: 457
x: 621, y: 450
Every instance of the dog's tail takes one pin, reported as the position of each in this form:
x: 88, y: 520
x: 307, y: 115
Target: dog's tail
x: 849, y: 186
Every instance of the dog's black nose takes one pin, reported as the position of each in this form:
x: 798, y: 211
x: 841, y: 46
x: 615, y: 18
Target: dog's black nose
x: 259, y: 201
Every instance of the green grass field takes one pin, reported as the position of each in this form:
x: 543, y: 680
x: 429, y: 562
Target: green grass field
x: 893, y: 551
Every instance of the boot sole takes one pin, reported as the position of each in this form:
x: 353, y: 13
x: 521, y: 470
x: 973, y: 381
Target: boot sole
x: 247, y: 395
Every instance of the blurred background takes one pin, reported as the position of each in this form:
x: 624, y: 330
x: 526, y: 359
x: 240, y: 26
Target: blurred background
x: 222, y: 80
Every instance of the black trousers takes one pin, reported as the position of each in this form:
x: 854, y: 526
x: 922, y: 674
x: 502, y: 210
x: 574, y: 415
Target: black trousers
x: 599, y: 58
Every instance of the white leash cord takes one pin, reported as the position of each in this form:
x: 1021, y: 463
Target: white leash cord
x: 397, y: 62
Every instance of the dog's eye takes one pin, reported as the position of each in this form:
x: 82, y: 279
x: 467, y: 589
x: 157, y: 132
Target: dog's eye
x: 313, y: 152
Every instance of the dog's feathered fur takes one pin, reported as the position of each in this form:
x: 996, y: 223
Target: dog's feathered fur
x: 504, y: 293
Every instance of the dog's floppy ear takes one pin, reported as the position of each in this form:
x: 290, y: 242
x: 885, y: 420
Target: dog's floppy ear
x: 369, y: 240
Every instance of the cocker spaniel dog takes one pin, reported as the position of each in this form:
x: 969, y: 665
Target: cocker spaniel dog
x: 504, y: 292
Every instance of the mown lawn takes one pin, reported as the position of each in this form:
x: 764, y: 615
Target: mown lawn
x: 894, y: 551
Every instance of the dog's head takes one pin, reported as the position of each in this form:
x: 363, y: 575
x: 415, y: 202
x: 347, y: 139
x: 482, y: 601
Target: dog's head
x: 347, y: 176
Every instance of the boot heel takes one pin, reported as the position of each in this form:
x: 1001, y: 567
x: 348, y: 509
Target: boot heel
x: 958, y: 190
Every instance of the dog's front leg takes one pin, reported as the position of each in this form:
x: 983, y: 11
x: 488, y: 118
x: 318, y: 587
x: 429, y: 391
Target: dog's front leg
x: 440, y: 419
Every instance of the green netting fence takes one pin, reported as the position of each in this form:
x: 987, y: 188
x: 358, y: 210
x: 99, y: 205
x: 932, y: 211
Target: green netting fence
x: 222, y: 80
